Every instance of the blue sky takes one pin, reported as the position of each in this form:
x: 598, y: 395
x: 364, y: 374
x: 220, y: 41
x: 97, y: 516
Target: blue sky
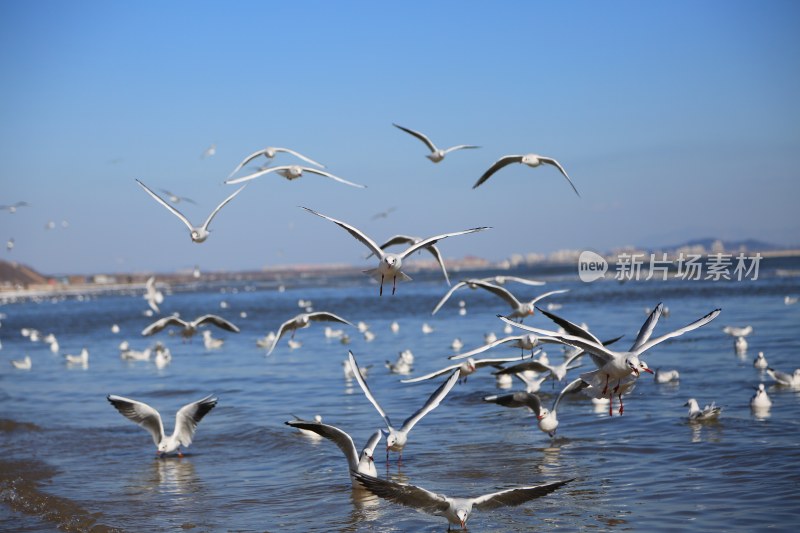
x: 674, y: 119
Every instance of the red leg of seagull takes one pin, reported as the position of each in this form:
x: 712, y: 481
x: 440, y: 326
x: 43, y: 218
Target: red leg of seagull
x: 610, y: 404
x: 621, y: 407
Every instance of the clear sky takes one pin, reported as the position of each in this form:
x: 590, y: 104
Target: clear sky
x: 675, y: 120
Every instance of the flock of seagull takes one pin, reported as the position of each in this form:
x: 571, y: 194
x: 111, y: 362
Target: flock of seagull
x: 615, y: 372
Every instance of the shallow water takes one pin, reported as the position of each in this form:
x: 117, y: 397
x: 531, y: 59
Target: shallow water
x: 71, y: 461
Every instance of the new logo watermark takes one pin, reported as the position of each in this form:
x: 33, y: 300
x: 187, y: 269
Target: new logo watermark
x: 591, y: 266
x: 638, y: 266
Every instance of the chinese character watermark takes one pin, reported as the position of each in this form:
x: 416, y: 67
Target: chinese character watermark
x: 686, y: 266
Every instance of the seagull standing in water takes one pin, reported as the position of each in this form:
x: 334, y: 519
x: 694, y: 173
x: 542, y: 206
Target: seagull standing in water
x: 198, y: 233
x: 390, y: 264
x: 396, y: 438
x: 185, y: 421
x: 456, y: 510
x: 709, y: 412
x: 436, y: 154
x: 532, y: 160
x: 359, y: 463
x: 188, y: 328
x: 303, y: 320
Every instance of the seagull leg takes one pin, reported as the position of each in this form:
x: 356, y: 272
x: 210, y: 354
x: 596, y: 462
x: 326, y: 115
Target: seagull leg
x: 180, y: 453
x: 394, y: 284
x: 621, y: 407
x: 380, y: 292
x: 605, y: 389
x: 610, y: 404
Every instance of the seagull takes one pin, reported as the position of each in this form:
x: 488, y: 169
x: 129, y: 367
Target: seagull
x: 303, y: 320
x: 383, y: 214
x: 740, y: 345
x: 532, y: 160
x: 405, y: 239
x: 611, y: 365
x: 709, y: 412
x: 466, y: 368
x: 13, y: 207
x: 519, y: 309
x: 523, y: 342
x: 152, y: 294
x: 472, y: 284
x: 348, y: 370
x: 189, y: 328
x: 665, y: 376
x: 291, y: 172
x: 396, y: 438
x: 790, y: 300
x: 760, y: 399
x: 134, y: 355
x: 359, y: 463
x: 735, y: 331
x: 81, y: 359
x: 456, y: 510
x: 22, y: 364
x: 270, y: 152
x: 436, y: 154
x: 198, y: 233
x: 210, y: 342
x: 185, y: 421
x: 760, y: 361
x: 403, y: 364
x: 782, y: 378
x: 390, y: 264
x: 175, y: 199
x: 548, y: 420
x: 208, y: 152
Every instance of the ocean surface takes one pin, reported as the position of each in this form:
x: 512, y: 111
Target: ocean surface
x: 70, y: 461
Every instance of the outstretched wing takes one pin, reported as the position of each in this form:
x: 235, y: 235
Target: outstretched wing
x: 189, y: 416
x: 364, y: 387
x: 433, y: 240
x: 502, y: 292
x: 289, y: 324
x: 162, y: 323
x: 356, y: 233
x: 331, y: 176
x: 324, y: 316
x: 255, y: 175
x: 481, y: 349
x: 500, y: 163
x: 419, y: 136
x: 460, y: 147
x: 551, y: 161
x: 332, y: 433
x: 166, y: 204
x: 432, y: 375
x: 408, y: 495
x: 299, y: 155
x: 447, y: 295
x: 545, y: 295
x: 433, y: 402
x: 648, y: 327
x: 217, y: 321
x: 689, y: 327
x: 515, y: 496
x: 517, y: 399
x: 569, y: 327
x: 572, y: 386
x: 247, y: 160
x: 141, y: 413
x: 220, y: 206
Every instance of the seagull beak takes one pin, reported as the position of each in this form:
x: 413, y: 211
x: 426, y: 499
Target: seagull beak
x: 647, y: 370
x: 539, y: 417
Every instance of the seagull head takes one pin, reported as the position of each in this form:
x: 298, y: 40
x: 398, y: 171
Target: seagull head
x: 637, y: 366
x: 462, y: 515
x: 543, y: 413
x: 199, y: 235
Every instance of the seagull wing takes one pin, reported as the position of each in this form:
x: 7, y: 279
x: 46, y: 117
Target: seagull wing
x: 255, y: 175
x: 572, y: 386
x: 247, y: 160
x: 172, y: 210
x: 365, y: 388
x: 551, y: 161
x: 447, y: 295
x: 162, y: 323
x: 515, y: 496
x: 418, y: 135
x: 517, y: 399
x: 433, y: 401
x: 433, y: 240
x: 648, y: 327
x: 689, y: 327
x: 545, y: 295
x: 500, y: 163
x: 460, y: 147
x: 536, y: 366
x: 300, y: 156
x: 502, y: 292
x: 324, y: 316
x: 189, y: 416
x: 217, y: 321
x: 332, y: 433
x: 438, y: 256
x: 515, y: 279
x: 220, y: 206
x: 292, y: 323
x: 432, y: 375
x: 570, y: 328
x: 408, y: 495
x: 481, y: 349
x: 141, y: 413
x: 331, y: 176
x: 361, y: 237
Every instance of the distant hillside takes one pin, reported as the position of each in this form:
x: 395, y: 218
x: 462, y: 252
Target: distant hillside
x: 709, y: 243
x: 15, y: 275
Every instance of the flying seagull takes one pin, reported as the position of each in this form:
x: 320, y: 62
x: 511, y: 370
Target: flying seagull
x: 436, y: 154
x: 532, y: 160
x: 188, y: 328
x: 270, y: 152
x: 291, y: 172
